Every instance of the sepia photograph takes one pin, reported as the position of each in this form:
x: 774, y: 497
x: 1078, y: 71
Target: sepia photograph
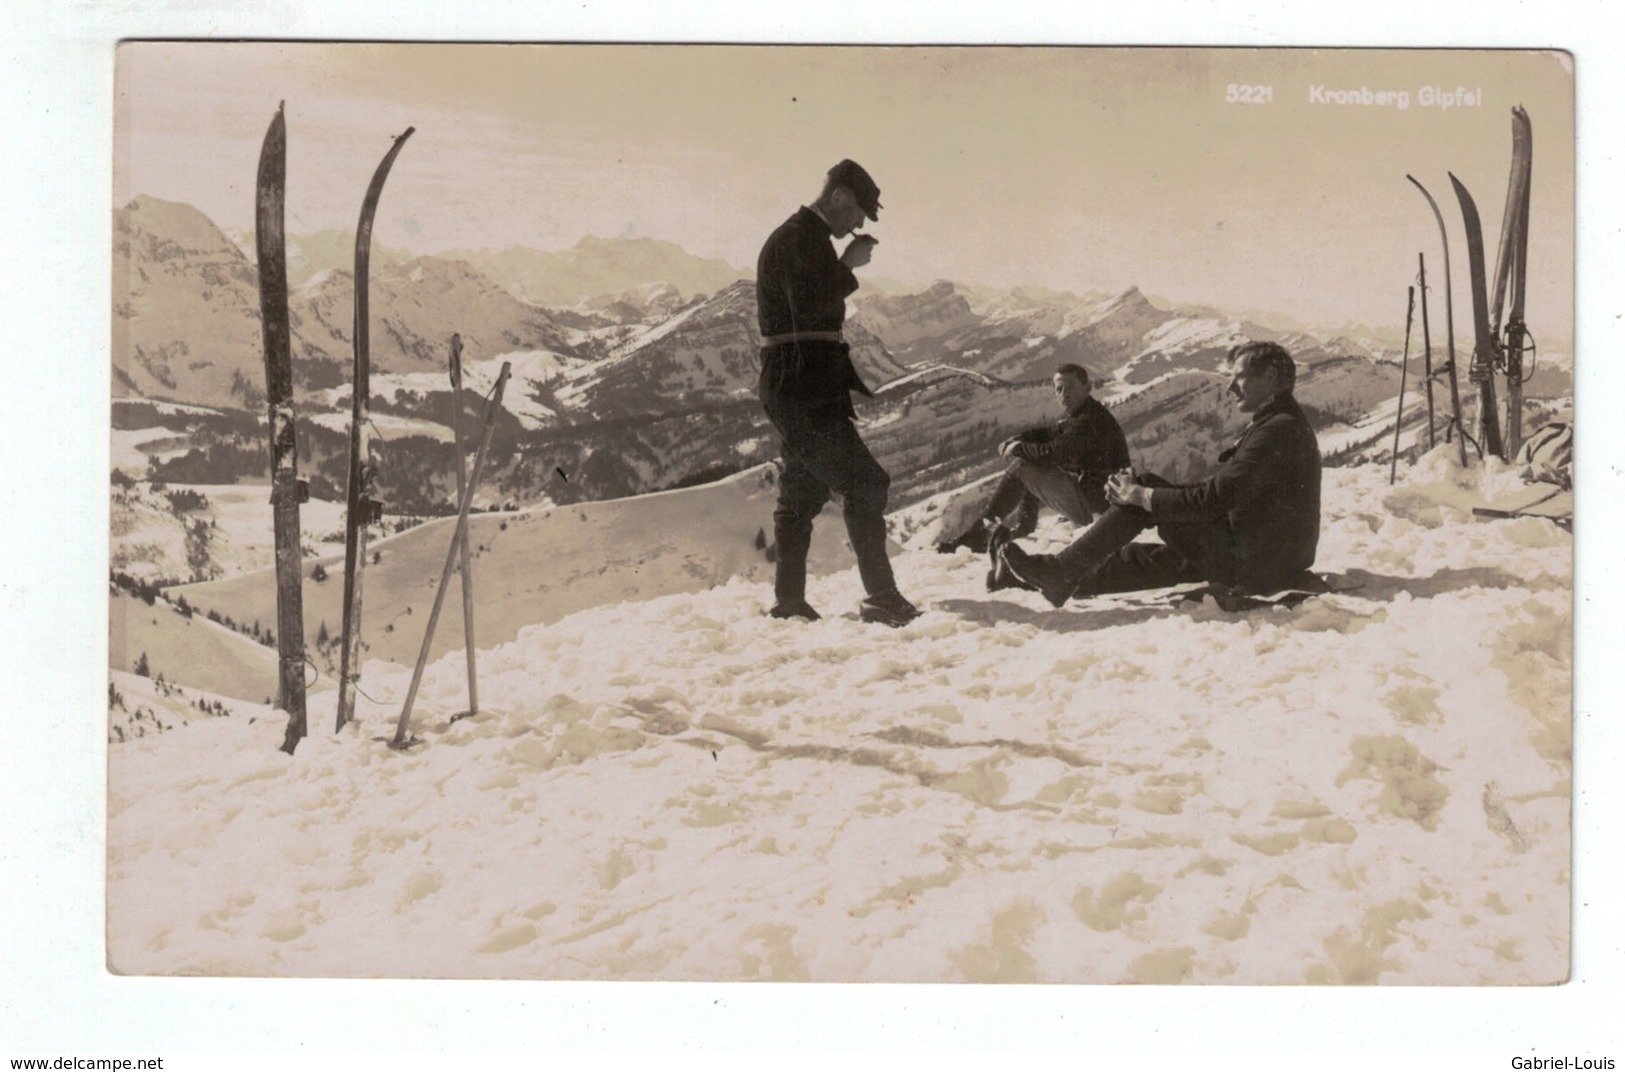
x: 841, y: 514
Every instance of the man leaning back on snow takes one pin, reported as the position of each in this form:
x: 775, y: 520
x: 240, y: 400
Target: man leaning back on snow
x: 1253, y: 524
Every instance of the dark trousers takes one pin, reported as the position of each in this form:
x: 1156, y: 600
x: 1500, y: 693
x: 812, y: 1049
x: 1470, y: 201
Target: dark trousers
x: 1105, y: 558
x: 823, y: 453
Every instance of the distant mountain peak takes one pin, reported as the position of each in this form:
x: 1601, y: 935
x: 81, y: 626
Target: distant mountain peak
x: 146, y: 203
x: 739, y: 288
x: 597, y: 268
x: 596, y: 243
x: 177, y: 222
x: 1134, y: 297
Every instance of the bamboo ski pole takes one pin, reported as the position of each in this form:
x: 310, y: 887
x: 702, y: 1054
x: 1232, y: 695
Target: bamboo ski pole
x: 462, y: 490
x: 401, y: 739
x: 1404, y: 366
x: 1427, y: 345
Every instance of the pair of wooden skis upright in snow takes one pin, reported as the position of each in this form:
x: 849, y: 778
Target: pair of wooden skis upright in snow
x: 362, y: 508
x: 1498, y: 346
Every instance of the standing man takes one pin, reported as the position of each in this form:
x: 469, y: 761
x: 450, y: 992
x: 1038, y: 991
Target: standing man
x: 1253, y: 524
x: 805, y: 386
x: 1063, y: 466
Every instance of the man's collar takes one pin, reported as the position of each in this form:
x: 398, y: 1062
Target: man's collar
x: 1279, y: 402
x: 814, y: 209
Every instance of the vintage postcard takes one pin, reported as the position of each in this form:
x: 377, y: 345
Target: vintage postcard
x: 841, y: 514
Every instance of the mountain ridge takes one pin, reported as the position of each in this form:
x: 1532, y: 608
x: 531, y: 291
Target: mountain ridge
x: 649, y: 389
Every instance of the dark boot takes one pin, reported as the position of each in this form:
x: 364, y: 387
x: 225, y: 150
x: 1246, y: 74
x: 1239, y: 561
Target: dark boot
x: 1052, y: 579
x: 974, y: 537
x: 1008, y: 494
x: 1025, y: 519
x: 999, y: 576
x: 794, y: 608
x: 866, y: 532
x: 792, y: 535
x: 888, y: 608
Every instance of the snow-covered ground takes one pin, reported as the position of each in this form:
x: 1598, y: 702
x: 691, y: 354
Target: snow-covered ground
x: 528, y: 368
x: 134, y: 448
x: 150, y: 538
x: 1372, y: 787
x: 388, y: 425
x: 245, y: 517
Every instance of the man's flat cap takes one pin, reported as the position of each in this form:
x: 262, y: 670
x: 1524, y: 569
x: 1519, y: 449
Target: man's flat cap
x: 854, y: 178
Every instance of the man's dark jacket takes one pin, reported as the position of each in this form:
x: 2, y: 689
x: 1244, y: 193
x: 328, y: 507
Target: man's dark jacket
x: 801, y: 285
x: 1267, y: 494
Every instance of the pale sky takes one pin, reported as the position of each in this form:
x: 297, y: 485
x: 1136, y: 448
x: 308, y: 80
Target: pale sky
x: 1070, y: 168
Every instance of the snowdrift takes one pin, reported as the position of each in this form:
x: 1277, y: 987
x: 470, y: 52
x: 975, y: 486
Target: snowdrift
x: 536, y: 566
x: 1373, y: 787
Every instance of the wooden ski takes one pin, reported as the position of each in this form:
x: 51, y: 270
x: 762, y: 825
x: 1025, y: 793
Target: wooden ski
x: 287, y: 490
x: 1482, y: 369
x: 361, y: 508
x: 1509, y: 278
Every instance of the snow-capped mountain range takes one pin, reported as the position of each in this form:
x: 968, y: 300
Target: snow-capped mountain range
x: 633, y: 381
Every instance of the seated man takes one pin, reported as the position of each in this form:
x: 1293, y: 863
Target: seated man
x: 1253, y: 524
x: 1063, y: 466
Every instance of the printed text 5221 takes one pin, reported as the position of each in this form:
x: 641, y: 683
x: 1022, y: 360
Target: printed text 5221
x: 1242, y: 94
